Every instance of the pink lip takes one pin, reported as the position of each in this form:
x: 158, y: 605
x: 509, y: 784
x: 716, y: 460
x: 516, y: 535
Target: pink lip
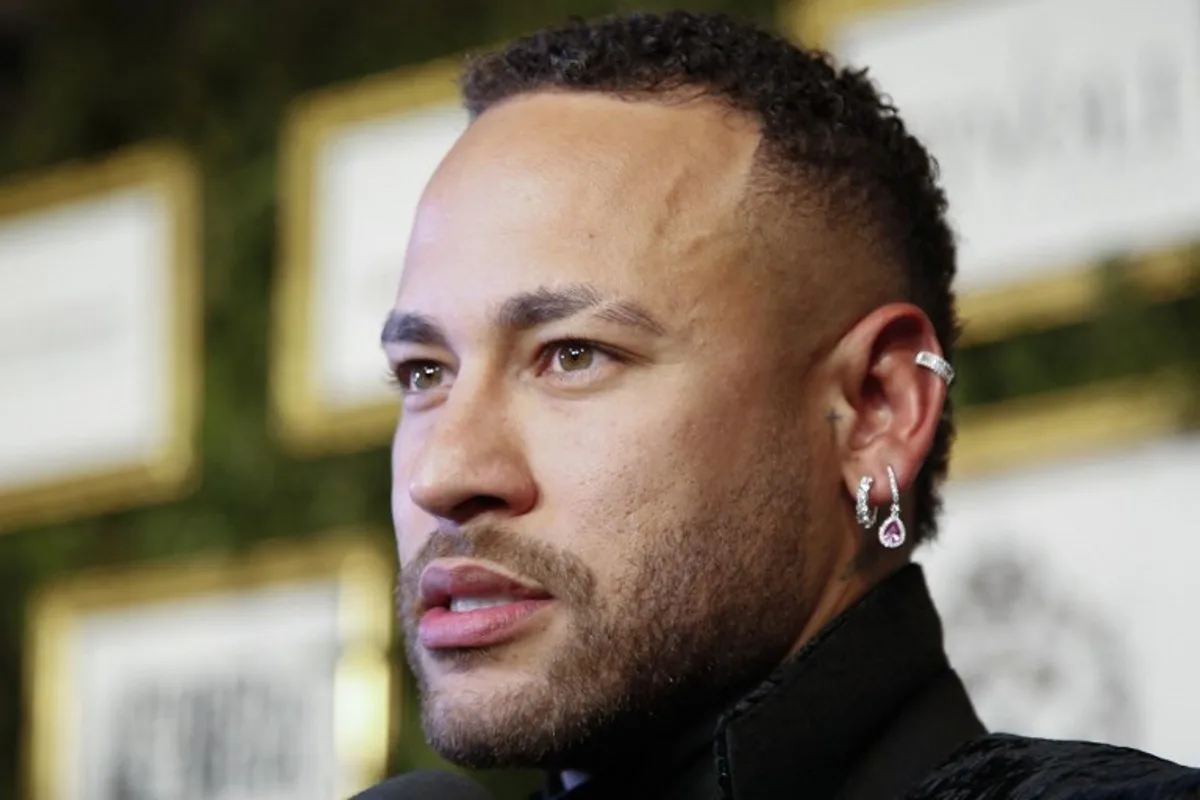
x: 443, y: 629
x: 440, y: 628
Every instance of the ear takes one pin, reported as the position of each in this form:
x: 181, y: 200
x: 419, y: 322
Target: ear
x: 891, y: 405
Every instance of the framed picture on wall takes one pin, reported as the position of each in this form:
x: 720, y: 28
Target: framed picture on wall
x: 259, y: 677
x: 100, y: 274
x: 1064, y: 132
x: 354, y: 162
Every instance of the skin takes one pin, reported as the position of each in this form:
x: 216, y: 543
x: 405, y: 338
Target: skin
x: 682, y: 483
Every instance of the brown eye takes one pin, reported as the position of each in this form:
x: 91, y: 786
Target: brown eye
x: 574, y: 357
x: 421, y: 376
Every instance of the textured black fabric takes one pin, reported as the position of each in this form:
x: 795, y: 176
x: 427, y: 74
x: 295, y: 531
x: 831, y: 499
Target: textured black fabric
x: 922, y: 735
x: 1003, y: 767
x: 808, y: 726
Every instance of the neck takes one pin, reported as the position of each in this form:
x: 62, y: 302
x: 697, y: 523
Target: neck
x: 859, y: 569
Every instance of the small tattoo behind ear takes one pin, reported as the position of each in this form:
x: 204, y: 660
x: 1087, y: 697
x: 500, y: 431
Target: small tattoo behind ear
x: 833, y: 418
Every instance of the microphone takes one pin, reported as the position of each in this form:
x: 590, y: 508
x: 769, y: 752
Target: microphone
x: 426, y: 784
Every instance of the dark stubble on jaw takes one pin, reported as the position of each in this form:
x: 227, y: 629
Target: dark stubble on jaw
x: 700, y: 615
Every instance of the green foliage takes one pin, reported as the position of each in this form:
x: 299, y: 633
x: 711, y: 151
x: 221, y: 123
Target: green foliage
x: 1131, y: 336
x: 218, y: 76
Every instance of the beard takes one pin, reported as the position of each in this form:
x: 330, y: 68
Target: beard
x: 703, y: 610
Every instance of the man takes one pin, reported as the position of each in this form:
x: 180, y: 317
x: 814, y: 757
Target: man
x: 674, y: 325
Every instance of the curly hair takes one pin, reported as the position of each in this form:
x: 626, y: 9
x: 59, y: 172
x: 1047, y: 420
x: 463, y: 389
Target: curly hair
x: 827, y: 125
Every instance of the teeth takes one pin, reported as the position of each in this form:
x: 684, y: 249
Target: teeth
x: 461, y: 604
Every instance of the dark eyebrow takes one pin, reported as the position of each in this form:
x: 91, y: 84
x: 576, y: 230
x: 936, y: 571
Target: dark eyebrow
x: 525, y: 311
x: 532, y: 309
x: 411, y: 328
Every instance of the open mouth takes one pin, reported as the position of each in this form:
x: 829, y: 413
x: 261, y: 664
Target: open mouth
x: 471, y: 606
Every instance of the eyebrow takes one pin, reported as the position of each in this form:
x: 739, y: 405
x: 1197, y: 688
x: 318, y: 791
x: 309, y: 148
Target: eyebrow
x: 408, y: 327
x: 533, y: 309
x: 529, y: 310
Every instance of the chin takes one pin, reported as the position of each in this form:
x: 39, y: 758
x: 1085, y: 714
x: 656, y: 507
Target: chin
x: 481, y: 718
x: 473, y: 679
x: 477, y: 682
x: 528, y: 703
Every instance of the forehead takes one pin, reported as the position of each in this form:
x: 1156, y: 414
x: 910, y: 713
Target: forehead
x: 567, y: 187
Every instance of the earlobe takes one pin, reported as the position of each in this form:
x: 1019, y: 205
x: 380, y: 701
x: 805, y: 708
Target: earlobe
x: 891, y: 532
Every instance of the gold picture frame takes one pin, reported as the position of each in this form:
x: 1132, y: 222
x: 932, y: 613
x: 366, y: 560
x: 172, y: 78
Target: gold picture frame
x: 302, y: 423
x: 173, y: 173
x: 1065, y: 424
x: 350, y: 565
x: 1067, y: 296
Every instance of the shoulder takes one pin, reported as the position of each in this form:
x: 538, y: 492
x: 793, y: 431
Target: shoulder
x: 1002, y: 767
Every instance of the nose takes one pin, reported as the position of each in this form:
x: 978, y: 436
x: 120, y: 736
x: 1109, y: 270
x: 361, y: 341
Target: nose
x: 470, y: 462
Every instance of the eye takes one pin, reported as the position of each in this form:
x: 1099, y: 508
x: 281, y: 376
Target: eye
x: 414, y: 377
x: 578, y: 361
x: 573, y: 357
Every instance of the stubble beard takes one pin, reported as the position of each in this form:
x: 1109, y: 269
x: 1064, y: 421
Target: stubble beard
x: 705, y: 611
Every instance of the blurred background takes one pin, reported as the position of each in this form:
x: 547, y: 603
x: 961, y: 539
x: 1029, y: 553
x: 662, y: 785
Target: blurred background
x: 202, y: 216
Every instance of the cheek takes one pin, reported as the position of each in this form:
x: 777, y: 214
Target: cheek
x: 621, y: 464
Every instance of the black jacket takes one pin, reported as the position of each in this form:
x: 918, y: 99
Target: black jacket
x: 871, y: 710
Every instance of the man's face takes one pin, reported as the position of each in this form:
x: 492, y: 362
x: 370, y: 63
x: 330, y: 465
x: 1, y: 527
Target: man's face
x: 603, y: 482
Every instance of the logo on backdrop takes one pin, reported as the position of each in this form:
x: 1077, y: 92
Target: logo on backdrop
x: 1035, y: 656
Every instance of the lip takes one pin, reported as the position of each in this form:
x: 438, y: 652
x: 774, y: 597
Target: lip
x: 443, y: 629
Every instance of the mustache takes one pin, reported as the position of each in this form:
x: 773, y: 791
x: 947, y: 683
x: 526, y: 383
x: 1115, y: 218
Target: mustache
x: 562, y: 574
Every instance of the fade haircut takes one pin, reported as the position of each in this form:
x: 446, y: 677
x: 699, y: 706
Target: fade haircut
x: 822, y: 127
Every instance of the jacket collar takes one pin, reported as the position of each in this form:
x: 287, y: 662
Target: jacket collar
x: 808, y: 724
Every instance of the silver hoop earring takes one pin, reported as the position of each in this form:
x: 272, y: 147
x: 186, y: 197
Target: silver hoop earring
x: 863, y: 512
x: 891, y: 532
x: 936, y: 364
